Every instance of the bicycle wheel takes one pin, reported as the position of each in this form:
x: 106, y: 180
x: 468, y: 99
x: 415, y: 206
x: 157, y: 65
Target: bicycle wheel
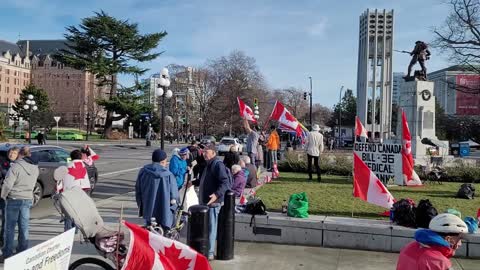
x: 90, y: 263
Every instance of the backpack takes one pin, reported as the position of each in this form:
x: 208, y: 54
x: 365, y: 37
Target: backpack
x: 255, y: 207
x: 78, y: 206
x: 466, y: 191
x: 403, y: 212
x: 424, y: 213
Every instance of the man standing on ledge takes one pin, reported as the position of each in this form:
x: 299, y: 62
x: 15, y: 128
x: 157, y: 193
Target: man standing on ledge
x: 252, y: 141
x: 214, y: 182
x: 314, y: 148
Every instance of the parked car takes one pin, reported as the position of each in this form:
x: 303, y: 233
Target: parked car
x: 226, y: 143
x: 48, y: 158
x: 73, y: 136
x: 205, y: 139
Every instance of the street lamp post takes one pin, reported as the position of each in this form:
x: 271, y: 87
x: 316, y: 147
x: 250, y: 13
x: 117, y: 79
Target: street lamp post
x: 164, y: 82
x: 88, y: 125
x: 311, y: 102
x: 340, y: 118
x: 30, y: 106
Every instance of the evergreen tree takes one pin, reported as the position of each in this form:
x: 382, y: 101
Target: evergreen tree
x: 348, y: 106
x: 43, y: 116
x: 107, y: 47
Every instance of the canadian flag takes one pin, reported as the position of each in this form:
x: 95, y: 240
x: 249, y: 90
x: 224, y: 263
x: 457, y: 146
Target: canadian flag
x: 285, y: 118
x: 245, y: 111
x: 368, y: 187
x: 409, y: 175
x: 72, y: 175
x: 359, y: 128
x: 149, y: 251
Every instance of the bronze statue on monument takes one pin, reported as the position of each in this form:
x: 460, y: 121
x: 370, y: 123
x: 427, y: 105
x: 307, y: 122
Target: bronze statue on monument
x: 420, y: 54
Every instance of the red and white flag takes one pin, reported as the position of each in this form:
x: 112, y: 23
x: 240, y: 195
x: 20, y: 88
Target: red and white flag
x: 359, y: 128
x: 410, y: 177
x: 149, y: 251
x: 368, y: 187
x: 245, y: 111
x: 285, y: 119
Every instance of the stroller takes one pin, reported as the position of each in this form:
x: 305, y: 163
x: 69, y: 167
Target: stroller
x: 110, y: 244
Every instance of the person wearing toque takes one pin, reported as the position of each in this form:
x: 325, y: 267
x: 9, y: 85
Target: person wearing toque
x: 156, y: 191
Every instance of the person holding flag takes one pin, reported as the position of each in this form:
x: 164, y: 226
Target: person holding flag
x: 252, y: 140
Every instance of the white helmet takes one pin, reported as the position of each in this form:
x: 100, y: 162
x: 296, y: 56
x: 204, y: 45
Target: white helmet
x: 447, y: 223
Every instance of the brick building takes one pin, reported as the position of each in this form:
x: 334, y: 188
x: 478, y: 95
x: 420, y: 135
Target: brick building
x: 71, y: 92
x: 14, y: 73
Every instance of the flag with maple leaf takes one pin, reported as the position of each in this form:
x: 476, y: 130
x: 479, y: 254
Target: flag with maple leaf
x: 74, y: 174
x: 152, y: 251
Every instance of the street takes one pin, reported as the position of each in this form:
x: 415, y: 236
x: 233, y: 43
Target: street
x: 117, y: 170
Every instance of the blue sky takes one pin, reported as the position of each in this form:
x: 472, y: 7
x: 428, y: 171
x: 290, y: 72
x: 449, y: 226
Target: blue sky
x: 290, y: 40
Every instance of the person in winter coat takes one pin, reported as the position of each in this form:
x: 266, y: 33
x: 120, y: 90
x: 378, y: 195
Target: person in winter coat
x: 273, y: 145
x: 239, y: 180
x: 17, y: 191
x: 178, y: 165
x: 434, y: 247
x: 156, y: 191
x: 73, y: 175
x: 314, y: 148
x: 231, y: 157
x: 214, y: 182
x: 12, y: 155
x: 252, y: 179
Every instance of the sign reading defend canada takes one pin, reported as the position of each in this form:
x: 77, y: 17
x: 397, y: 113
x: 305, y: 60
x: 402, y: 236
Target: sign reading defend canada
x: 384, y: 159
x: 53, y: 254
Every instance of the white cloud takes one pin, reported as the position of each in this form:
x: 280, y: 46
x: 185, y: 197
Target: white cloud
x: 318, y: 29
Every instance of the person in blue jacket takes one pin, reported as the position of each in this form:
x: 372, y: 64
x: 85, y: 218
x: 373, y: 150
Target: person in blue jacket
x: 178, y: 165
x: 156, y: 191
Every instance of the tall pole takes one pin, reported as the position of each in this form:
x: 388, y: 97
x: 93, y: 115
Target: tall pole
x: 340, y: 118
x: 162, y: 126
x: 30, y: 126
x: 311, y: 123
x: 57, y: 132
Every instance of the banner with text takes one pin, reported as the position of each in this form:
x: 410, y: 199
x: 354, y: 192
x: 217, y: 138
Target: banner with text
x: 384, y: 159
x: 52, y: 254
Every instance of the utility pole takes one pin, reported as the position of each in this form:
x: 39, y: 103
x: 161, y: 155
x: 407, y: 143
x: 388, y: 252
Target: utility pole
x: 340, y: 118
x: 311, y: 98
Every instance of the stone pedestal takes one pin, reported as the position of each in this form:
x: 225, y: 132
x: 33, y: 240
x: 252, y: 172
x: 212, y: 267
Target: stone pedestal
x: 416, y: 98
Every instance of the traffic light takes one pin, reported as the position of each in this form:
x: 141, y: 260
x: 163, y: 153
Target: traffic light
x: 305, y: 95
x: 255, y: 102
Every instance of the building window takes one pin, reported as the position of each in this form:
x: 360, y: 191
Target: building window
x: 7, y: 71
x: 67, y: 84
x: 7, y: 100
x: 8, y: 90
x: 8, y: 80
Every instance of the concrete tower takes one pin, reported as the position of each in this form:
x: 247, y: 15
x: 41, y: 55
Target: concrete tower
x: 374, y: 77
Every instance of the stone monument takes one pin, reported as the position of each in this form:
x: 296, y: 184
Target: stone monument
x: 418, y: 101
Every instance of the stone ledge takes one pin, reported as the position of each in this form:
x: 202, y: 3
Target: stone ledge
x: 341, y: 232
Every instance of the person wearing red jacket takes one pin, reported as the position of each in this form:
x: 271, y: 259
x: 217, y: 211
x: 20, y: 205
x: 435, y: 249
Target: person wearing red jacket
x: 434, y: 247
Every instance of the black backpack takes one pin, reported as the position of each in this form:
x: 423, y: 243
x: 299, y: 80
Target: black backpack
x: 466, y: 191
x: 255, y: 207
x: 404, y: 213
x: 424, y: 213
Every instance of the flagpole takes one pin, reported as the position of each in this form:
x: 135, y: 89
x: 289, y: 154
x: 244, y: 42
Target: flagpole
x: 353, y: 205
x: 118, y: 236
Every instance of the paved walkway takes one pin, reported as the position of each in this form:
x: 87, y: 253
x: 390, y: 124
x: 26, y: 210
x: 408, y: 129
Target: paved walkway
x: 247, y: 255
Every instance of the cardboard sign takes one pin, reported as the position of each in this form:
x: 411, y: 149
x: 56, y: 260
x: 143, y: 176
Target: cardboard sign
x: 52, y: 254
x: 384, y: 159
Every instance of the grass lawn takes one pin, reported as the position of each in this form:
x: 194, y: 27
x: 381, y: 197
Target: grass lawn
x: 333, y: 196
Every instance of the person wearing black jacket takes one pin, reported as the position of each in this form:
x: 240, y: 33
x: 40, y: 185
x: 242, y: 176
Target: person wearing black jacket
x: 231, y: 157
x: 214, y: 182
x: 12, y: 155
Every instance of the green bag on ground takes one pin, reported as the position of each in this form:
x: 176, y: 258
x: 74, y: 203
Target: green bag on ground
x: 298, y: 205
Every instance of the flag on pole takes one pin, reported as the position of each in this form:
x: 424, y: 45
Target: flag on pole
x: 245, y: 111
x: 359, y: 128
x: 149, y: 251
x: 285, y: 119
x: 367, y: 186
x: 409, y: 175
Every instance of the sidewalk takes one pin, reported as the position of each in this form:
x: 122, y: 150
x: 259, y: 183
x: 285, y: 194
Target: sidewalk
x: 247, y: 255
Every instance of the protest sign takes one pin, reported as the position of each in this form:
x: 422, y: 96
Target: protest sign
x: 53, y: 254
x: 384, y: 159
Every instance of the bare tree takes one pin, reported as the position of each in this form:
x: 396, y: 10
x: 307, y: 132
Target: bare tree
x: 459, y: 37
x: 232, y: 76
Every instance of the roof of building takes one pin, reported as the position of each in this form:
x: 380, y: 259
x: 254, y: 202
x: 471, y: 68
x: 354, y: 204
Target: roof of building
x: 11, y: 47
x: 463, y: 68
x: 44, y: 47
